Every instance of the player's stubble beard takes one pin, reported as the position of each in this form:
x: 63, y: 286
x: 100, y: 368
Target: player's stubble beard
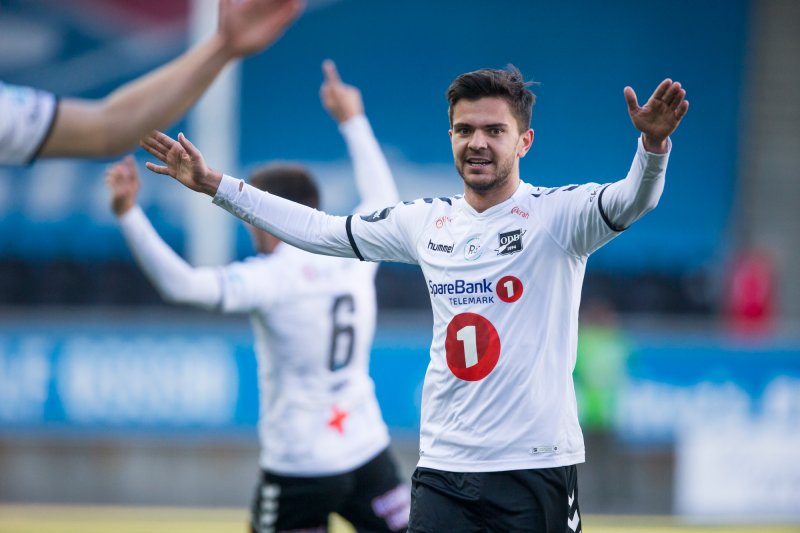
x: 503, y: 170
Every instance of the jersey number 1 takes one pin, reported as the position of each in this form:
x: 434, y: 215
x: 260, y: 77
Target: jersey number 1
x: 471, y: 346
x: 467, y: 336
x: 343, y: 335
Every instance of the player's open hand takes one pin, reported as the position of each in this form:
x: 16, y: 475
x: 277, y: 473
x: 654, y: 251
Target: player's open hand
x: 340, y: 100
x: 122, y: 179
x: 248, y: 26
x: 182, y: 161
x: 660, y: 116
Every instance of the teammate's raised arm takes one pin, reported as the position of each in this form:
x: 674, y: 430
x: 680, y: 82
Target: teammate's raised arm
x: 123, y: 182
x: 374, y: 179
x: 341, y: 101
x: 111, y: 125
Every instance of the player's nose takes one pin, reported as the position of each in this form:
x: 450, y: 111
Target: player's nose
x: 477, y: 141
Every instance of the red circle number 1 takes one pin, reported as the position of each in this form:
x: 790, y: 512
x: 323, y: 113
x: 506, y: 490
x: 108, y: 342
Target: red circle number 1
x: 509, y: 289
x: 472, y: 346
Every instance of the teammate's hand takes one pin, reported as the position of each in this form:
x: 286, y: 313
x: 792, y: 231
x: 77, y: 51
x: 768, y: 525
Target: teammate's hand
x: 182, y: 161
x: 248, y: 26
x: 340, y: 100
x: 122, y: 179
x: 660, y: 116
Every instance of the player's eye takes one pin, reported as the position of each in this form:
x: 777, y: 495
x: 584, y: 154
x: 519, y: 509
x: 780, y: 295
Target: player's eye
x: 496, y: 131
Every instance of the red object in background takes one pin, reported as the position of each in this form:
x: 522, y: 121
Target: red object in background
x: 136, y: 12
x: 751, y: 293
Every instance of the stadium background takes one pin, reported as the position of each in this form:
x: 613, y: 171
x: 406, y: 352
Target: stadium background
x: 689, y: 365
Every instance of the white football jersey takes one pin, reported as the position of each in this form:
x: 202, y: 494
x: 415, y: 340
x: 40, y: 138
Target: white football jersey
x: 505, y: 289
x: 26, y: 116
x: 314, y: 319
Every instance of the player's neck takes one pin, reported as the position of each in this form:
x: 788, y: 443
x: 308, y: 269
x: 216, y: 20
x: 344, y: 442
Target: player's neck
x: 480, y: 201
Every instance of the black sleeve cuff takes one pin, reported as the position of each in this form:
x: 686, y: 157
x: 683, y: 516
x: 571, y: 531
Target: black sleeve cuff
x: 608, y: 222
x: 348, y: 227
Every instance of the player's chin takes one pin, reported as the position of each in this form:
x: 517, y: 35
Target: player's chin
x: 480, y: 182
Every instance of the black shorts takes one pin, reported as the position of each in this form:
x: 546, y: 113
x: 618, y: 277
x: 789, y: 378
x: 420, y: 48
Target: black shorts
x: 371, y: 497
x: 541, y: 500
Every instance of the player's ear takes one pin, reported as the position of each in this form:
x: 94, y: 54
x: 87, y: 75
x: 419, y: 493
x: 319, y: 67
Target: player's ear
x: 525, y: 142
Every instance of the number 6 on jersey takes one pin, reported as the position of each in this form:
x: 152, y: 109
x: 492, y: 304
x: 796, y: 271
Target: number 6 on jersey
x: 472, y: 346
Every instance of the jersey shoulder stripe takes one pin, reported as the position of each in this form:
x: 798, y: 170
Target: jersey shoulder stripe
x: 547, y: 192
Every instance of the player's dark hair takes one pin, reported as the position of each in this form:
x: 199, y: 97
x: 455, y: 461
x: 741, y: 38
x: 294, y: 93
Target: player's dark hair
x: 290, y: 181
x: 507, y: 83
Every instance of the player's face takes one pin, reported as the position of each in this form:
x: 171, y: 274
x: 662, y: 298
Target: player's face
x: 487, y: 143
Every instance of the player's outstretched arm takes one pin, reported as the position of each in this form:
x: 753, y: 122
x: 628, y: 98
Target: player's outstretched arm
x: 174, y: 279
x: 374, y: 178
x: 109, y: 126
x: 291, y: 222
x: 660, y: 115
x: 627, y: 200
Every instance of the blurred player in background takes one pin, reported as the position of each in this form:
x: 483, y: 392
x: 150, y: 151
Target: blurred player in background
x: 504, y: 264
x: 324, y: 442
x: 35, y: 123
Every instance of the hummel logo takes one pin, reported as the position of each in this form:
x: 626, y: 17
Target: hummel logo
x: 576, y: 519
x: 436, y: 247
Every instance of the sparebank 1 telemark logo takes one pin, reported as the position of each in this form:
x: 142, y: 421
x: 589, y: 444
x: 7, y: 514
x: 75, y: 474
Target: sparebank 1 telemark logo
x: 472, y: 346
x: 461, y: 292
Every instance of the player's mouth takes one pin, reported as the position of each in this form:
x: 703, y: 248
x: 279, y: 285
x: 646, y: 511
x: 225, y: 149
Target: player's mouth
x: 478, y: 162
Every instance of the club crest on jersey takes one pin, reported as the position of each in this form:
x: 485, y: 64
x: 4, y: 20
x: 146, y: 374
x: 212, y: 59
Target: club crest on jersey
x: 473, y: 249
x: 510, y: 242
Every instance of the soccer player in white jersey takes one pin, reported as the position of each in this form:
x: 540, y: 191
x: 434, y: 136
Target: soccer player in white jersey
x: 324, y: 445
x: 35, y: 123
x: 504, y: 265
